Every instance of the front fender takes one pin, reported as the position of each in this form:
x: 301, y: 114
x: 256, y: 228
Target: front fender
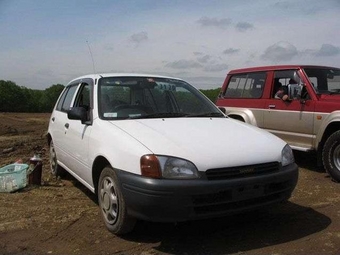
x: 333, y: 117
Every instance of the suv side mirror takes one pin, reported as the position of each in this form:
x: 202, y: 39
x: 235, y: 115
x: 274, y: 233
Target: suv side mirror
x: 222, y: 109
x: 77, y: 113
x: 294, y: 91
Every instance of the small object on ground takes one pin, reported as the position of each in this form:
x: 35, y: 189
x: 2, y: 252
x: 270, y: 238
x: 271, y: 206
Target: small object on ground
x: 13, y: 177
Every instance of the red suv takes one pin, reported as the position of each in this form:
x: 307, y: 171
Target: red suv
x: 298, y: 103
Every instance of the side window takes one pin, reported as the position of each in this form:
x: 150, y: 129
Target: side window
x: 83, y: 97
x: 61, y: 99
x: 284, y: 79
x: 249, y: 85
x: 68, y: 98
x: 64, y: 102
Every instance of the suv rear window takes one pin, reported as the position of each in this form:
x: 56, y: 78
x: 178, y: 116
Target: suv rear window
x: 249, y: 85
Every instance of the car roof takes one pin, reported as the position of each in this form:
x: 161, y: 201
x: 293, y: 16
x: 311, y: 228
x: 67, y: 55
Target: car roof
x: 101, y: 75
x: 275, y: 67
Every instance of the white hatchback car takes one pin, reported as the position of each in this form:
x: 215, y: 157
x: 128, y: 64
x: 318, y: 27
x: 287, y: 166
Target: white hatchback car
x: 155, y: 148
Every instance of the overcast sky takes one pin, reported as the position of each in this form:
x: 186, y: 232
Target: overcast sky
x: 45, y: 42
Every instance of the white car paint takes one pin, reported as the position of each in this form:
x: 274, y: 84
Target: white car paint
x: 196, y: 132
x: 206, y: 142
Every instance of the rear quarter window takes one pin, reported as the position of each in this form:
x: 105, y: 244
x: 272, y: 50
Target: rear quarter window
x: 248, y: 85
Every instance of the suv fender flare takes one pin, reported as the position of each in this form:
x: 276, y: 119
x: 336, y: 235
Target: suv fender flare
x: 331, y: 119
x: 244, y: 113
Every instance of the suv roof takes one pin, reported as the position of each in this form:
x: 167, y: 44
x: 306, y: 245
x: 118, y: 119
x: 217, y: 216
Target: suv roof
x: 275, y: 67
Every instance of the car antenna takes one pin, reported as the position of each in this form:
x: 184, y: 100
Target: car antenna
x: 88, y: 45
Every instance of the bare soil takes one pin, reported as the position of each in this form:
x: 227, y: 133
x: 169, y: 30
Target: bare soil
x: 62, y: 217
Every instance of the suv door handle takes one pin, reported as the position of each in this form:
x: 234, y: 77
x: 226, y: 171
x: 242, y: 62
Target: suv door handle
x: 271, y: 106
x: 67, y: 125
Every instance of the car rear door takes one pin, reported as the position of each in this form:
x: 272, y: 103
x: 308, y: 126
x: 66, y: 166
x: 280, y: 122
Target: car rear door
x: 242, y: 97
x: 57, y: 122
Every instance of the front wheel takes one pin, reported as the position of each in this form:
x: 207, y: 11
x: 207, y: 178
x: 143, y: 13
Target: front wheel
x: 331, y: 156
x: 112, y: 204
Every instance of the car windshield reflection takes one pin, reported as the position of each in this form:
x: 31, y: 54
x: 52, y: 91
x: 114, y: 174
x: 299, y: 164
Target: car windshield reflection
x: 147, y: 97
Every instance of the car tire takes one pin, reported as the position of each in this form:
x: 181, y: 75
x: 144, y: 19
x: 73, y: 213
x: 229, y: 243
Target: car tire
x: 56, y: 170
x: 331, y: 156
x: 112, y: 203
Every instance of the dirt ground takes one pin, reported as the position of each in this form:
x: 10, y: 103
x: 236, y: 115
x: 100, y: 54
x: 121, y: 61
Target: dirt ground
x: 62, y: 217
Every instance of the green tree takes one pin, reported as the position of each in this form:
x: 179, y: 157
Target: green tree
x: 32, y: 97
x: 212, y: 94
x: 12, y: 97
x: 50, y: 97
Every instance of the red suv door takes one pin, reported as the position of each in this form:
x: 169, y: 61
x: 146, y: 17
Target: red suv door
x: 291, y: 120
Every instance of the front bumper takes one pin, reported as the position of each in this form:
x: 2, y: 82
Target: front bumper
x: 163, y: 200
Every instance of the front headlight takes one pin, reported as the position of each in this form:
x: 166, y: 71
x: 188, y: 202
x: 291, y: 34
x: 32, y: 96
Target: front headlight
x: 167, y: 167
x: 287, y: 156
x: 176, y: 168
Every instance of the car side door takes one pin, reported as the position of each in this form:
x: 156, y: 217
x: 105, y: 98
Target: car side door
x: 77, y: 134
x: 58, y: 119
x: 291, y: 120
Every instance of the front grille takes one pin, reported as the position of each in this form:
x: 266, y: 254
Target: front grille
x: 237, y: 205
x: 241, y: 197
x: 242, y: 171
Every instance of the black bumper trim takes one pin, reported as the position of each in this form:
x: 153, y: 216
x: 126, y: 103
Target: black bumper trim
x: 164, y: 200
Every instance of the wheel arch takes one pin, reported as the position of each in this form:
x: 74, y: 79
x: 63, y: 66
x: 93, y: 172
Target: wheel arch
x: 48, y: 138
x: 330, y: 129
x: 237, y: 117
x: 242, y: 114
x: 329, y: 125
x: 98, y: 165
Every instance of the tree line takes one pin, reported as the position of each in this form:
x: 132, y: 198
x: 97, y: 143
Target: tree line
x: 15, y: 98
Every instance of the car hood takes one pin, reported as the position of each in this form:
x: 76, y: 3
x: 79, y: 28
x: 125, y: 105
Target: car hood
x: 208, y: 142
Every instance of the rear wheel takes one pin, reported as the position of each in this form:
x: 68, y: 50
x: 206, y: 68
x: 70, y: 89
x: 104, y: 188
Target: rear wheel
x: 112, y: 204
x: 56, y: 170
x: 331, y: 156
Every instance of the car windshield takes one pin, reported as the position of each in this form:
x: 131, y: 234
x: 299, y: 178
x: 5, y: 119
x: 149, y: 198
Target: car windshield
x: 324, y: 80
x: 151, y: 97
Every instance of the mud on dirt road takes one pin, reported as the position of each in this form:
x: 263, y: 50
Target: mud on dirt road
x: 62, y: 217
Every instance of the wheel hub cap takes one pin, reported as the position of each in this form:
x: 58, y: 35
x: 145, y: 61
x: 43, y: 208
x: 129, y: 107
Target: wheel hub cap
x: 106, y: 201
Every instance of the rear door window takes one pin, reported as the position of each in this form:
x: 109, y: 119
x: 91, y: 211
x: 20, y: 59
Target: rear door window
x: 248, y: 85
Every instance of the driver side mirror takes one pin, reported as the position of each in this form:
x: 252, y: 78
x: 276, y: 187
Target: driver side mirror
x: 78, y: 113
x: 294, y: 91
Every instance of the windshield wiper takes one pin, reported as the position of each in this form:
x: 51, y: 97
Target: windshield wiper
x: 207, y: 114
x: 176, y: 115
x: 160, y: 115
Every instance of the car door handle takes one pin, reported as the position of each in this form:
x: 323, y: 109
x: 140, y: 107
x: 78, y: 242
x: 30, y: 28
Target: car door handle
x: 67, y: 125
x: 272, y: 106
